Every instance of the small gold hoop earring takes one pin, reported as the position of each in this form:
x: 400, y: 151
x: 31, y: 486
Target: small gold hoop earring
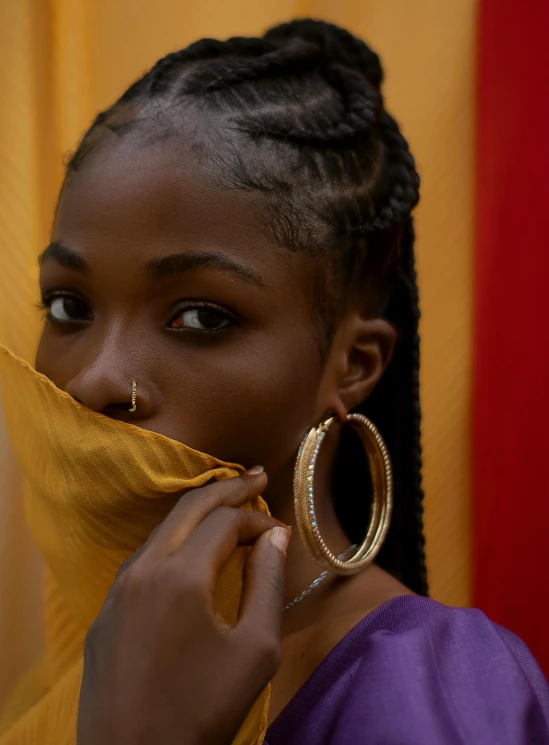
x: 382, y: 496
x: 134, y: 396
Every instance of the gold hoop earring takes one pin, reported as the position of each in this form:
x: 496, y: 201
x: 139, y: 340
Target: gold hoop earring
x: 382, y: 497
x: 134, y: 396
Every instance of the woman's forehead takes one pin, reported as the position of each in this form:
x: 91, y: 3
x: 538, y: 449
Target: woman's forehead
x: 144, y: 206
x: 155, y: 188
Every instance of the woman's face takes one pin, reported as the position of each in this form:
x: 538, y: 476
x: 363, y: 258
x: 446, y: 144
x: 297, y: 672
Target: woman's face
x: 157, y: 276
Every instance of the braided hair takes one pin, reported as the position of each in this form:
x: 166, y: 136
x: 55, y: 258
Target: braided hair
x: 333, y: 175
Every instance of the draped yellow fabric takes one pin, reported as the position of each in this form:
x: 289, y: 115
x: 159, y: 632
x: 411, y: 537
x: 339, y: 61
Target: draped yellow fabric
x: 96, y: 489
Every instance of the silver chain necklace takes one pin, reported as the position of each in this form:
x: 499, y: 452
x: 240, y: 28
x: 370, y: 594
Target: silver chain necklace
x: 317, y: 581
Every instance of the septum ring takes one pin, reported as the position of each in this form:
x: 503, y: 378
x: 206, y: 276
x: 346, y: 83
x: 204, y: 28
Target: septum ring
x: 134, y: 395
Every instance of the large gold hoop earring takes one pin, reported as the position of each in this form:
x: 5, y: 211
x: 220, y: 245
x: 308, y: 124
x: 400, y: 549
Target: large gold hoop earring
x: 382, y: 496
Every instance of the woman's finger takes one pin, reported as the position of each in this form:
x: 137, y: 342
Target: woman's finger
x: 215, y: 539
x: 262, y: 600
x: 195, y: 504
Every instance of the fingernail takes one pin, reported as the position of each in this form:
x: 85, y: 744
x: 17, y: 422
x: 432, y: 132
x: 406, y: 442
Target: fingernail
x: 280, y: 538
x: 254, y: 470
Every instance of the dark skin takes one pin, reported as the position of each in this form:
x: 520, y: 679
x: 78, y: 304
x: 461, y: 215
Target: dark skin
x: 223, y: 346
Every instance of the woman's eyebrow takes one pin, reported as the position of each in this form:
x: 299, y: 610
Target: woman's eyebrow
x: 159, y: 269
x: 64, y: 256
x: 168, y: 266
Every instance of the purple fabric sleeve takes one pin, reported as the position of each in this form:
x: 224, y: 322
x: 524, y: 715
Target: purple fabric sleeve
x: 416, y: 672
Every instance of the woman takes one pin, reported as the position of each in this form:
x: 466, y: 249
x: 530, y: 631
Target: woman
x: 234, y: 235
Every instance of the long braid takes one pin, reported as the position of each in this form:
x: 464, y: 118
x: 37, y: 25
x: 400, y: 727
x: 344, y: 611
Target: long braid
x: 404, y: 312
x: 338, y: 181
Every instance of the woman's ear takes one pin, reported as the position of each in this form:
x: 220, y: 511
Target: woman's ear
x: 360, y: 353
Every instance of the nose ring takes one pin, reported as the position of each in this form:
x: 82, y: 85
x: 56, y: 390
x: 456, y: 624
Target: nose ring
x: 134, y: 395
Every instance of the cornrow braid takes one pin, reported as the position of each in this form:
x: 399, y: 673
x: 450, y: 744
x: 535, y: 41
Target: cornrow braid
x: 297, y: 118
x: 359, y: 102
x: 401, y: 173
x: 297, y: 56
x: 336, y: 43
x: 164, y: 71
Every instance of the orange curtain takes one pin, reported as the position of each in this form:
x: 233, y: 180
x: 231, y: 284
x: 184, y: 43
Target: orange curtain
x: 61, y: 61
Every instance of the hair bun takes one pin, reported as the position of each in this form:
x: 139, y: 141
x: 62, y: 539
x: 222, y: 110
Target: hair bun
x: 336, y: 44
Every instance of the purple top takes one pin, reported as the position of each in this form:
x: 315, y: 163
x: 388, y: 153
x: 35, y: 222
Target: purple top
x: 416, y: 672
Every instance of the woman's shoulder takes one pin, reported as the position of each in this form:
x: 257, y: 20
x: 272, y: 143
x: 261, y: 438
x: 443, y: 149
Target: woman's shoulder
x: 417, y: 671
x: 442, y: 636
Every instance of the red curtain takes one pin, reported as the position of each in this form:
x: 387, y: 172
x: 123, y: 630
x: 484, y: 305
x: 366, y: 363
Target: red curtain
x: 511, y: 347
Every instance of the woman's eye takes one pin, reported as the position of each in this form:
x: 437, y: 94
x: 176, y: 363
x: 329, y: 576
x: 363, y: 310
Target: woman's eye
x: 202, y: 319
x: 66, y: 308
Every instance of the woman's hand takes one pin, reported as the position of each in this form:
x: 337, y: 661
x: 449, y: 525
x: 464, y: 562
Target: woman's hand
x: 160, y: 666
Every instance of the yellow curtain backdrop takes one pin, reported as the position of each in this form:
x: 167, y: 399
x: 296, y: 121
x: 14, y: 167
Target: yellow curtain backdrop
x: 61, y: 61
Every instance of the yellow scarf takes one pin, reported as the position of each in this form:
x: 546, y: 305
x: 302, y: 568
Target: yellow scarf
x: 96, y: 489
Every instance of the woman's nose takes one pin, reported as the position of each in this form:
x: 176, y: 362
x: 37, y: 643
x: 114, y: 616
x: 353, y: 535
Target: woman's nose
x: 112, y: 393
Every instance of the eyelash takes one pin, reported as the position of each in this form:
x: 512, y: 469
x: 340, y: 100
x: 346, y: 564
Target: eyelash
x: 202, y: 305
x: 48, y: 298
